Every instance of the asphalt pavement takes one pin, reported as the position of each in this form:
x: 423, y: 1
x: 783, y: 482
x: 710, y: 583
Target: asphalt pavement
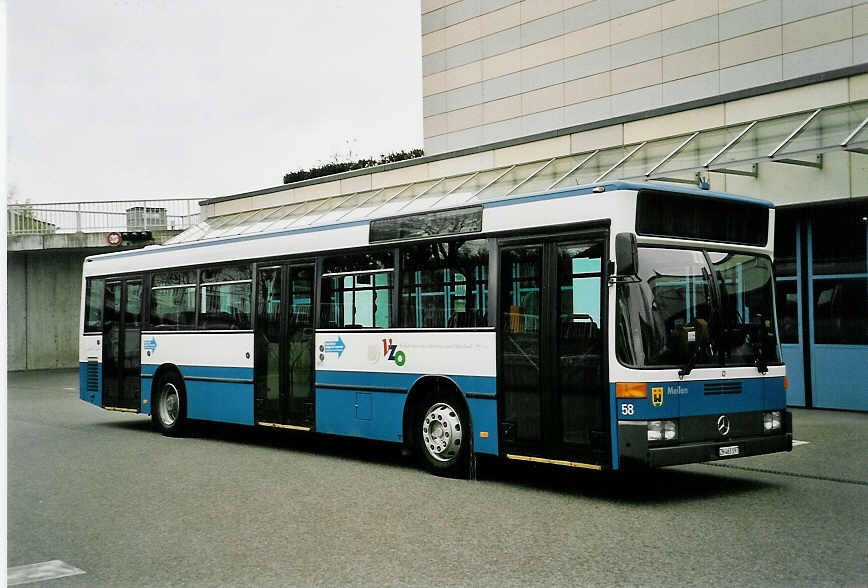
x: 229, y: 505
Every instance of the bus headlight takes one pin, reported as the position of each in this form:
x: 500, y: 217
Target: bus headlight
x: 772, y: 420
x: 662, y: 430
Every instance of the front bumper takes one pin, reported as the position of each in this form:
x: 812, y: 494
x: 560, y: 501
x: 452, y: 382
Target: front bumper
x: 635, y: 452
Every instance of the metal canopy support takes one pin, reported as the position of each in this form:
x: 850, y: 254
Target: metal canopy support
x: 672, y: 154
x: 420, y: 194
x: 818, y: 164
x: 362, y: 203
x: 485, y: 187
x: 623, y: 159
x: 735, y: 140
x: 795, y: 132
x: 696, y: 182
x: 392, y: 197
x: 576, y: 168
x: 861, y: 146
x: 450, y: 192
x: 753, y: 173
x: 335, y: 207
x: 521, y: 183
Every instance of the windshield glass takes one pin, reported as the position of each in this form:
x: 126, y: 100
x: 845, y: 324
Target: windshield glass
x: 684, y: 313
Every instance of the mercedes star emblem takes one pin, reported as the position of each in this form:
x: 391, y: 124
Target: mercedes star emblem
x: 723, y: 425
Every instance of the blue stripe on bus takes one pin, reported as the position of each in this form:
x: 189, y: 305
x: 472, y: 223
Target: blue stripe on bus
x: 366, y: 412
x: 96, y: 397
x: 225, y: 402
x: 467, y: 384
x: 685, y: 399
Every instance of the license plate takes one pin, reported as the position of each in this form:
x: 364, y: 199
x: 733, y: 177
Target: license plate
x: 728, y: 451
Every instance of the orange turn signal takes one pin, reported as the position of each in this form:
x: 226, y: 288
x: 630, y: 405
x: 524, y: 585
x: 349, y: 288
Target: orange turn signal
x: 786, y: 383
x: 631, y: 390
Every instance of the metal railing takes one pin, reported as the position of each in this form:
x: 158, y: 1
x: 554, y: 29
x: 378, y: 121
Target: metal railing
x: 95, y: 217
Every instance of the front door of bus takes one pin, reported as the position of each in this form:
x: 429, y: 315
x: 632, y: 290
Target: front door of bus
x: 121, y: 343
x: 283, y: 360
x: 553, y: 397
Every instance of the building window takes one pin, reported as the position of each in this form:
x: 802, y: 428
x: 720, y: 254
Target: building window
x: 841, y: 311
x: 788, y: 310
x: 444, y: 284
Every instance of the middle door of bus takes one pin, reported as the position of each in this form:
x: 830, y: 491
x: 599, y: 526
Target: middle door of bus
x: 551, y: 366
x: 284, y: 348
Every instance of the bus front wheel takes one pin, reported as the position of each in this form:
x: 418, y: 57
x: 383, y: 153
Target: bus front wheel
x: 442, y: 435
x: 169, y: 410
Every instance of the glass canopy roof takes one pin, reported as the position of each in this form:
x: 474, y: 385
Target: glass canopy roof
x: 797, y: 139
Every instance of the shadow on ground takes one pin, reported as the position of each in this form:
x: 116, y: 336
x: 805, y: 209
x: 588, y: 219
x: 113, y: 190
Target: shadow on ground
x: 665, y: 485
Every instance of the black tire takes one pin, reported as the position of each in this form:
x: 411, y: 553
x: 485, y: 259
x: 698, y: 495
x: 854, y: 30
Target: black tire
x: 169, y: 405
x: 443, y: 434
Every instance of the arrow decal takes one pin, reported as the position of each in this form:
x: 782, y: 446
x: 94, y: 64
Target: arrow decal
x: 335, y: 346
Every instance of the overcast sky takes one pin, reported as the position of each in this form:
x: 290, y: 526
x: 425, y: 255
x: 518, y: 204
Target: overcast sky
x: 123, y: 99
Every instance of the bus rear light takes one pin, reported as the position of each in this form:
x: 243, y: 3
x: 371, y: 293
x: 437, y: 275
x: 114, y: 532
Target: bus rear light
x: 631, y: 390
x: 786, y: 383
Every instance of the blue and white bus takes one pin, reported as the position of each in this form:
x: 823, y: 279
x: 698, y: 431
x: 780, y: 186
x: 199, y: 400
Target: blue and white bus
x: 611, y: 326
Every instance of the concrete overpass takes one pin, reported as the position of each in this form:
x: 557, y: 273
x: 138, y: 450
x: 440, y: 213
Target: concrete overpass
x: 46, y: 246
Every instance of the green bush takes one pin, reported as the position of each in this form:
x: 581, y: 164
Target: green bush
x: 334, y: 167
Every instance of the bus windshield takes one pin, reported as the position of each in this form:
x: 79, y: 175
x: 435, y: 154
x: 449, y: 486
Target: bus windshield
x: 694, y: 308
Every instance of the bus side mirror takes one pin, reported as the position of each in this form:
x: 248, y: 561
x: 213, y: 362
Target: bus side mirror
x: 626, y: 255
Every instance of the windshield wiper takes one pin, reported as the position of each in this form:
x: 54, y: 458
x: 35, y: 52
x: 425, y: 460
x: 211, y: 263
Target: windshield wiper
x: 691, y: 363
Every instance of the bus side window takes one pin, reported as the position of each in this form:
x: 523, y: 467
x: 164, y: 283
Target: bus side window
x: 355, y: 293
x: 444, y: 284
x: 93, y: 305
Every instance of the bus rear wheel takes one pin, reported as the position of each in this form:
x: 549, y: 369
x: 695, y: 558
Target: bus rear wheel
x: 443, y: 436
x: 169, y: 408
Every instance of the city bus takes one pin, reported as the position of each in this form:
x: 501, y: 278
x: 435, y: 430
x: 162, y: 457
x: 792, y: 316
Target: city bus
x: 613, y: 326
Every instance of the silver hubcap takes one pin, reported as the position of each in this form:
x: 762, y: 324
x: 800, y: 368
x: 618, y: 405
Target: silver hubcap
x: 170, y: 404
x: 442, y: 432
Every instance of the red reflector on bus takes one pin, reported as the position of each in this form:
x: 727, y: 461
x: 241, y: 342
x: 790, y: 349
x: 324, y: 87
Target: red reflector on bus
x: 786, y: 383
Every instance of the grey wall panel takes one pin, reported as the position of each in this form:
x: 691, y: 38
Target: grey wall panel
x: 502, y: 130
x: 539, y: 122
x: 433, y: 63
x: 793, y: 10
x: 464, y: 54
x: 637, y: 100
x: 636, y: 50
x: 860, y: 49
x: 465, y: 138
x: 689, y: 35
x: 542, y: 29
x: 502, y: 87
x: 750, y: 18
x: 587, y: 64
x: 542, y: 76
x: 692, y: 88
x: 16, y: 311
x: 434, y: 104
x: 748, y: 75
x: 590, y: 111
x: 433, y: 21
x: 492, y: 5
x: 438, y: 144
x: 817, y: 59
x: 624, y: 7
x: 461, y: 11
x: 464, y: 96
x: 586, y: 15
x: 501, y: 42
